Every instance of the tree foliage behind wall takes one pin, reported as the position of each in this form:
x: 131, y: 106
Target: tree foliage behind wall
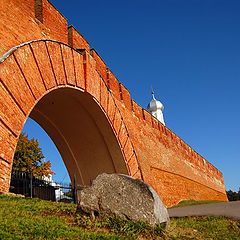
x: 233, y: 196
x: 29, y: 158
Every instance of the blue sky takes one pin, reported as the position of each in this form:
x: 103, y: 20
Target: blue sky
x: 188, y: 50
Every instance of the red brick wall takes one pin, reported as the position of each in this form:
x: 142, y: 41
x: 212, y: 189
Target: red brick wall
x: 33, y: 70
x: 152, y: 151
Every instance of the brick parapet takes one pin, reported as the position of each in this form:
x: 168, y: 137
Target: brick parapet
x: 52, y: 20
x: 118, y: 89
x: 113, y: 84
x: 176, y: 144
x: 101, y: 66
x: 76, y: 40
x: 189, y: 154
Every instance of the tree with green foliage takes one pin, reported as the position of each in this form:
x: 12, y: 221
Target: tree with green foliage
x: 233, y: 196
x: 29, y: 158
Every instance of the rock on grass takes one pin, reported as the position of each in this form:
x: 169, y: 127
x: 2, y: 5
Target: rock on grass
x: 124, y: 197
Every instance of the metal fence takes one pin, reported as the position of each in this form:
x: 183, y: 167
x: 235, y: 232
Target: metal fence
x: 30, y: 186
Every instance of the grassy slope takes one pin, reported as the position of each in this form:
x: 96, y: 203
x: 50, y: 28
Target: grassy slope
x: 36, y: 219
x: 201, y: 228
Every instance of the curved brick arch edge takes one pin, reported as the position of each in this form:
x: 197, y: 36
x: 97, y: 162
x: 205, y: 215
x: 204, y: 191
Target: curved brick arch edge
x: 32, y: 70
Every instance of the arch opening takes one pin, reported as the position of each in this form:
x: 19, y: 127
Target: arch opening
x: 34, y: 131
x: 81, y: 132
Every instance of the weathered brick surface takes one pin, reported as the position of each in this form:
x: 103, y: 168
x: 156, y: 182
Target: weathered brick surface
x: 154, y: 122
x: 152, y: 152
x: 96, y: 90
x: 114, y: 85
x: 10, y: 114
x: 117, y: 121
x: 138, y: 175
x: 147, y: 117
x: 100, y: 65
x: 93, y: 80
x: 44, y: 64
x: 55, y: 22
x: 5, y: 175
x: 125, y: 95
x: 76, y: 40
x: 30, y: 71
x: 20, y: 24
x: 14, y: 81
x: 133, y: 166
x: 7, y: 143
x: 79, y: 70
x: 56, y: 58
x: 137, y: 110
x: 104, y: 96
x: 128, y: 150
x: 122, y: 134
x: 14, y: 12
x: 68, y: 63
x: 177, y: 187
x: 111, y: 109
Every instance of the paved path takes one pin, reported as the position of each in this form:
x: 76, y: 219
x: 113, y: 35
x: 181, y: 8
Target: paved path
x: 229, y: 209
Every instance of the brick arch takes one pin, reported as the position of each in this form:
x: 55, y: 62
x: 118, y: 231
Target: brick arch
x: 32, y: 70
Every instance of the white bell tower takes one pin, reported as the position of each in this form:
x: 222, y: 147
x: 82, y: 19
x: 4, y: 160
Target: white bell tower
x: 155, y: 107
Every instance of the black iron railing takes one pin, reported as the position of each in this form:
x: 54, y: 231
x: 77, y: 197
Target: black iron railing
x: 26, y: 184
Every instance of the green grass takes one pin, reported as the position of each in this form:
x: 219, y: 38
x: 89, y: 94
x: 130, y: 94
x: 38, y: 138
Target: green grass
x: 202, y: 228
x: 194, y: 202
x: 22, y: 218
x: 37, y: 219
x: 120, y: 227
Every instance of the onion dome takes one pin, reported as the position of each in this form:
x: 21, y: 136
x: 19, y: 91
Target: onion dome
x: 155, y: 107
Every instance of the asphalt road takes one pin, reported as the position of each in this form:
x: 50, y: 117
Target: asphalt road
x: 228, y: 209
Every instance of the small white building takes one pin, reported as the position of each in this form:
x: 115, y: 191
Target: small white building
x: 59, y: 194
x: 155, y: 107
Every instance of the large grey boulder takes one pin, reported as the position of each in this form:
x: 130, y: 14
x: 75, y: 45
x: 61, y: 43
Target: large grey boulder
x: 123, y: 196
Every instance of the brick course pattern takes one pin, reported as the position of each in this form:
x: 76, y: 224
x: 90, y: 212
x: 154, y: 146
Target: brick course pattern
x: 51, y: 55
